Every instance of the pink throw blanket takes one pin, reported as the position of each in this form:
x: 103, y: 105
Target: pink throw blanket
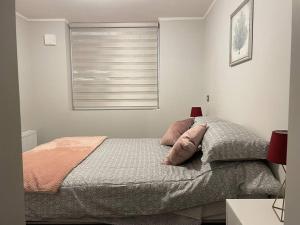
x: 46, y: 166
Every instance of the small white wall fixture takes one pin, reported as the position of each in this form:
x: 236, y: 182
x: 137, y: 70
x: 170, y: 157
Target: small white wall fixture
x: 50, y: 40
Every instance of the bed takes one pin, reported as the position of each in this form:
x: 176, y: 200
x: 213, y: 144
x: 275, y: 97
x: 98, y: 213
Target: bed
x: 124, y: 182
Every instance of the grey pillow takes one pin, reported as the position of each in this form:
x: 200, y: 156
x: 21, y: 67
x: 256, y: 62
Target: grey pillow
x: 226, y: 141
x: 202, y: 120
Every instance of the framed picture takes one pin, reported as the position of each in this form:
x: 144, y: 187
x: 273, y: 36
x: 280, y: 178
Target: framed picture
x: 241, y: 33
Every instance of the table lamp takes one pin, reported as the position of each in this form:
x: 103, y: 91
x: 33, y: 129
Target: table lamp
x: 196, y: 111
x: 277, y: 154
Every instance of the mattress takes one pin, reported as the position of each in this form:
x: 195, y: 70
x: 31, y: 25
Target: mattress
x: 125, y: 178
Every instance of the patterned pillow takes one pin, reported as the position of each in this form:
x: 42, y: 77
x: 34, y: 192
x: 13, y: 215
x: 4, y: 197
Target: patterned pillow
x: 186, y: 146
x: 226, y: 141
x: 175, y: 131
x: 206, y: 120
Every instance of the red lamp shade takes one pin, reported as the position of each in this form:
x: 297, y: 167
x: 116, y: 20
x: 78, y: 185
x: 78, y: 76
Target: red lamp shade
x: 196, y: 111
x: 278, y: 147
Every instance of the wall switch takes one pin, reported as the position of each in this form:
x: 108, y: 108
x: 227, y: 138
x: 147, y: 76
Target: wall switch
x: 207, y: 98
x: 50, y: 39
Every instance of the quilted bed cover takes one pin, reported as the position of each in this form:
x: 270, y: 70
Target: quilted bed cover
x: 126, y: 177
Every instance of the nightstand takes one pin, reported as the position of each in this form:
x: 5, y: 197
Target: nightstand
x: 250, y: 212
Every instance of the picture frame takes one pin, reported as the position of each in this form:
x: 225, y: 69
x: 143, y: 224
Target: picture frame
x: 241, y: 33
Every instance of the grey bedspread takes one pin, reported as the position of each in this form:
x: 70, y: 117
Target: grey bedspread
x: 125, y: 177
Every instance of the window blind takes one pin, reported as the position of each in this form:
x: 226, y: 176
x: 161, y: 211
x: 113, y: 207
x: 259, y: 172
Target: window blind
x: 114, y: 66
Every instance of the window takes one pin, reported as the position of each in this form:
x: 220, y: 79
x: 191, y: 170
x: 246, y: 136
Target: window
x: 114, y: 65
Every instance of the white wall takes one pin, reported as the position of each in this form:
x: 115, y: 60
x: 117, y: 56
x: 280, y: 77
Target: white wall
x: 293, y: 179
x: 11, y: 190
x: 181, y: 73
x: 255, y: 93
x: 25, y: 74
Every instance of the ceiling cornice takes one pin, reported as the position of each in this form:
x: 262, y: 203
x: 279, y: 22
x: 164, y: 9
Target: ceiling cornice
x: 41, y: 20
x: 209, y: 9
x: 179, y: 18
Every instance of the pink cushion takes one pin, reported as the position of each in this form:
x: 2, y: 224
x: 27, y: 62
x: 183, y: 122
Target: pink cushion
x: 186, y: 146
x: 175, y: 131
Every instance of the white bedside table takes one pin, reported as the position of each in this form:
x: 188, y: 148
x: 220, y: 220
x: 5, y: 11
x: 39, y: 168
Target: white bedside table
x: 250, y: 212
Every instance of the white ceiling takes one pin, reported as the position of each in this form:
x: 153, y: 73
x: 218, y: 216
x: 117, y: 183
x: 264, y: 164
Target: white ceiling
x: 111, y: 10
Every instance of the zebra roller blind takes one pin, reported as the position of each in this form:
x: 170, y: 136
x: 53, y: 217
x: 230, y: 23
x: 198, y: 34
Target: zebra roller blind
x: 114, y: 66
